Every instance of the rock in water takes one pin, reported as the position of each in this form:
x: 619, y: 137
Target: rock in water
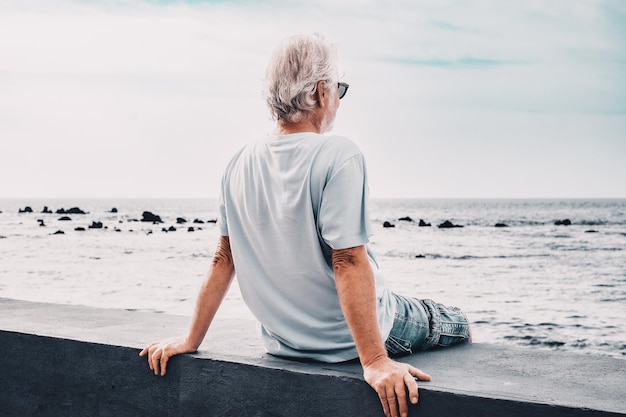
x: 448, y: 225
x: 73, y: 210
x: 151, y: 217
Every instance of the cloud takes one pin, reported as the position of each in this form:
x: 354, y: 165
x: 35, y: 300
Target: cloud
x: 462, y: 63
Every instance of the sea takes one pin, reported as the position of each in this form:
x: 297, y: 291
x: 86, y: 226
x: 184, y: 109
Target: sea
x: 550, y: 275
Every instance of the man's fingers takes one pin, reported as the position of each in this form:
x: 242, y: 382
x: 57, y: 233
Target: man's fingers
x: 146, y: 350
x: 163, y: 363
x: 401, y: 388
x: 385, y: 404
x: 411, y: 385
x: 392, y: 401
x: 155, y: 359
x: 422, y: 376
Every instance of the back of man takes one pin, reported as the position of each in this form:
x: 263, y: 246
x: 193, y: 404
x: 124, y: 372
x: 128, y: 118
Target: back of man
x: 287, y: 201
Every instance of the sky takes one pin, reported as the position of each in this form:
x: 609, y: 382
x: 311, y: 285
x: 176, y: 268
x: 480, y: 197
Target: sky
x: 447, y: 99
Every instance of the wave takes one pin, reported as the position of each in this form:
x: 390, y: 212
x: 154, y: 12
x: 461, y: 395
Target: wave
x: 396, y: 254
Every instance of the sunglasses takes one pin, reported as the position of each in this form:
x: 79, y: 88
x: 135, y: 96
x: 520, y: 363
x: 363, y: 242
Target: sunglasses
x: 343, y: 89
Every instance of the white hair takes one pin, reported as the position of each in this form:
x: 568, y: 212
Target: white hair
x: 295, y: 67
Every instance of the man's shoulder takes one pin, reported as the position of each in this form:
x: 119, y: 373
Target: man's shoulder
x: 341, y: 146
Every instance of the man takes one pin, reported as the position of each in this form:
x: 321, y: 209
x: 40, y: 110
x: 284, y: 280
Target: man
x: 294, y: 226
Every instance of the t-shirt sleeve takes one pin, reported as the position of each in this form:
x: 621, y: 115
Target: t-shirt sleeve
x: 343, y: 216
x: 221, y: 215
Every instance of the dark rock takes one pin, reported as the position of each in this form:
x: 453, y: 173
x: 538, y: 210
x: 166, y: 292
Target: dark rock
x: 448, y: 225
x: 59, y: 232
x: 180, y: 220
x: 191, y: 229
x: 591, y: 231
x: 26, y: 209
x: 405, y: 219
x: 117, y: 230
x: 212, y: 221
x: 73, y: 210
x: 113, y: 210
x: 422, y: 223
x: 171, y: 229
x: 564, y: 222
x: 163, y: 229
x: 420, y: 256
x: 65, y: 219
x: 151, y: 217
x: 445, y: 225
x: 80, y: 229
x: 198, y: 221
x: 501, y: 225
x: 387, y: 224
x: 96, y: 225
x: 41, y: 223
x: 46, y: 210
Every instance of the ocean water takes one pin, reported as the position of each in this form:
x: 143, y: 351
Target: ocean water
x: 533, y: 283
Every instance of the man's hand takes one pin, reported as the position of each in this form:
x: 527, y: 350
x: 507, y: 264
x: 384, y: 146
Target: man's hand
x: 159, y: 353
x: 212, y: 293
x: 391, y: 380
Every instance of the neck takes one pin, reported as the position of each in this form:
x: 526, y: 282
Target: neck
x: 315, y: 123
x: 284, y: 128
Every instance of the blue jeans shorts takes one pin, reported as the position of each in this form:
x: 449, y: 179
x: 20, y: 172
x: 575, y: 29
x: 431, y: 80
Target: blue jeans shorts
x: 423, y: 324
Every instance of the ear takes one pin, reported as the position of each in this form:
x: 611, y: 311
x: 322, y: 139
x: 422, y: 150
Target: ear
x: 321, y: 93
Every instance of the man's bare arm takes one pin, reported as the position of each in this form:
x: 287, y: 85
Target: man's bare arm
x: 357, y: 293
x: 211, y: 294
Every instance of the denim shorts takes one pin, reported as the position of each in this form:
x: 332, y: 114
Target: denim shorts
x: 423, y: 324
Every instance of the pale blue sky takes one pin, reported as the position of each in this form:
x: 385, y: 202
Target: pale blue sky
x: 476, y: 98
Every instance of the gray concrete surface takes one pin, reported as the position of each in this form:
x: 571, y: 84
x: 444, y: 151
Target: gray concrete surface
x: 73, y: 360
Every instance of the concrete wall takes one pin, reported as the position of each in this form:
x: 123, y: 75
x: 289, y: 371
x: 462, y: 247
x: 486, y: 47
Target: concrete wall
x: 77, y: 361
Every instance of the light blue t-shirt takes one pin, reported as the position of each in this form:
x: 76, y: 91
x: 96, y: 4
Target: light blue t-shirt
x: 286, y: 202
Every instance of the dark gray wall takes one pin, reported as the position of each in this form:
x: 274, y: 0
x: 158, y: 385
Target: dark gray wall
x: 42, y: 375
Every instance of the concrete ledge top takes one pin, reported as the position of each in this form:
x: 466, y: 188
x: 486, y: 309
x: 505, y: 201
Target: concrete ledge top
x: 478, y: 370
